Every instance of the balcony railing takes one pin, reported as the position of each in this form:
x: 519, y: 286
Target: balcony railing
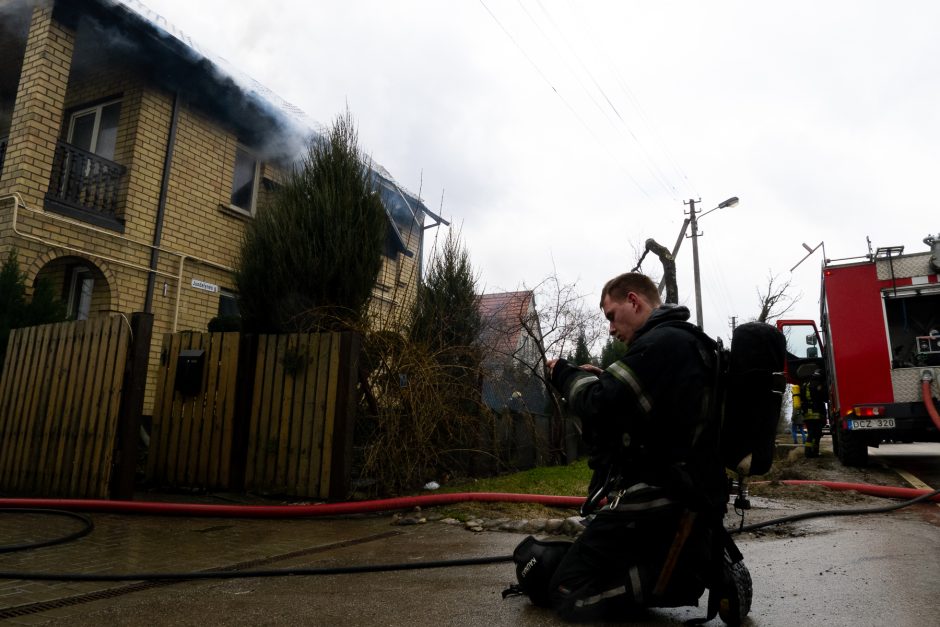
x: 84, y: 181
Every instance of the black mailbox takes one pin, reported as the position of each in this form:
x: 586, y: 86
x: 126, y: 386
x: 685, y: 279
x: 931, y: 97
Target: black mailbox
x: 189, y: 371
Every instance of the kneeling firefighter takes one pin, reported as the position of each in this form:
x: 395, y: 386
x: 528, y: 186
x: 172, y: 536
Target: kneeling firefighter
x: 650, y: 422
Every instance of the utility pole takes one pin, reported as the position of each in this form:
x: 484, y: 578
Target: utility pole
x: 734, y: 321
x: 693, y: 222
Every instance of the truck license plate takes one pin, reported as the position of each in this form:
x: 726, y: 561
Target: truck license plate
x: 871, y: 423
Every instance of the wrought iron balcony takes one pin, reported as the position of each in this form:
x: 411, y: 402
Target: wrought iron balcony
x: 85, y: 186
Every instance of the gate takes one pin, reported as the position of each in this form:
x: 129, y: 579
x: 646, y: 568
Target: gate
x: 192, y: 436
x: 60, y: 397
x: 271, y: 413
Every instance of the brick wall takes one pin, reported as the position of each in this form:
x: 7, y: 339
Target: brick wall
x: 37, y: 116
x: 201, y: 235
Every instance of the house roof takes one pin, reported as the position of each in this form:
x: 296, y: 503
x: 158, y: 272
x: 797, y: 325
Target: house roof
x: 503, y: 314
x: 175, y: 60
x: 509, y: 388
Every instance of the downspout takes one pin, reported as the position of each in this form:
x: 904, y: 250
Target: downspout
x: 161, y: 206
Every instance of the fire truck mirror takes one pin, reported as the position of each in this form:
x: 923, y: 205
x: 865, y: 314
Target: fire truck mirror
x: 811, y: 339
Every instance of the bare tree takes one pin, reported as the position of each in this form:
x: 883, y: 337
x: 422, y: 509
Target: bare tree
x: 551, y: 331
x: 775, y: 301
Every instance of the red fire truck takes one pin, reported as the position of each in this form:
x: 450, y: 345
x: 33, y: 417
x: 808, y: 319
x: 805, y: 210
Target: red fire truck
x: 876, y: 356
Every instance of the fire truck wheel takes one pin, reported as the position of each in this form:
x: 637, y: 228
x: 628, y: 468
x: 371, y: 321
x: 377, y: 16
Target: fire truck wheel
x: 853, y: 449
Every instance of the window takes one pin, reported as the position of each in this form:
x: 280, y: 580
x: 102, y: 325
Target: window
x: 95, y: 129
x: 245, y: 180
x: 228, y: 304
x: 81, y: 285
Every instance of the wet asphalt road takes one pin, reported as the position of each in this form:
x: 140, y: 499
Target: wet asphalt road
x: 858, y: 571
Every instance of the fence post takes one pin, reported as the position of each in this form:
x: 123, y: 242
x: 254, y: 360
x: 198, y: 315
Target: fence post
x: 345, y: 418
x: 132, y: 405
x: 241, y: 418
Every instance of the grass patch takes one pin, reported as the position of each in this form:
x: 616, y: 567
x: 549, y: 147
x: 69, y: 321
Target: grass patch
x: 570, y: 480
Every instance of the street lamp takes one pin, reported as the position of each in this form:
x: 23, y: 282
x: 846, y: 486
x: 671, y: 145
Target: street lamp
x: 693, y: 221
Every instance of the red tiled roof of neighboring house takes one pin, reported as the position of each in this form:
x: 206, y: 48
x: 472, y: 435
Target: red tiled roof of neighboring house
x: 502, y: 315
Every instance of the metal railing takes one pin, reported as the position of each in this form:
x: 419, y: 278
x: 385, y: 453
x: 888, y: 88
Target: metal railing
x: 85, y: 181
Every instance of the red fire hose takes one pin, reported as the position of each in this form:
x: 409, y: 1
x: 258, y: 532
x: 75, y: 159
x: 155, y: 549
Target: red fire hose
x: 289, y: 511
x: 928, y: 401
x: 867, y: 488
x: 381, y: 505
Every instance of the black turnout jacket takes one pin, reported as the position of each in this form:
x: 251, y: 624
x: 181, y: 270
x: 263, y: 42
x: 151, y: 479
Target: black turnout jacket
x: 650, y: 417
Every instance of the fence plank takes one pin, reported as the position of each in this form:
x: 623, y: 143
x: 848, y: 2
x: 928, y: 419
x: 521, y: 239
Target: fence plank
x: 13, y: 374
x: 58, y: 399
x: 344, y: 423
x: 331, y: 417
x: 225, y: 412
x: 92, y: 364
x: 110, y: 404
x: 285, y: 405
x: 297, y: 411
x: 272, y: 442
x: 32, y: 412
x: 319, y: 416
x: 174, y: 423
x: 51, y: 393
x: 16, y: 412
x: 36, y: 412
x: 7, y: 376
x: 202, y: 411
x: 302, y: 485
x: 156, y: 458
x: 95, y: 422
x: 18, y: 433
x: 254, y: 421
x: 69, y: 434
x: 100, y: 430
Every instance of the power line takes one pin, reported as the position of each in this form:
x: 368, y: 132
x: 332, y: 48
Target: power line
x: 639, y: 109
x: 650, y: 163
x: 564, y: 100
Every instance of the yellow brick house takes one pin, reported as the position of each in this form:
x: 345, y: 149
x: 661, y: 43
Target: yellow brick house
x: 130, y: 162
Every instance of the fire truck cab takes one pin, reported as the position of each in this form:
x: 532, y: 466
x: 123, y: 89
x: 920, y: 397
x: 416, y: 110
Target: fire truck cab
x: 876, y: 353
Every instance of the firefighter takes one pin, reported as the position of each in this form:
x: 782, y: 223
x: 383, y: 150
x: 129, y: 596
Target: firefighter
x: 813, y: 405
x: 796, y: 419
x: 655, y: 455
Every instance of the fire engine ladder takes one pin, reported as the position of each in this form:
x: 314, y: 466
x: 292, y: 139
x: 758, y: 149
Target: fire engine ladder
x: 889, y: 253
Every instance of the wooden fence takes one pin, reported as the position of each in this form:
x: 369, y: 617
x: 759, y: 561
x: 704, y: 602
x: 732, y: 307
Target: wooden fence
x: 192, y: 436
x: 271, y: 414
x: 60, y: 395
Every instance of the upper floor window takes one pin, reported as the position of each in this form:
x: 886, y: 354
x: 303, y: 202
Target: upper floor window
x: 95, y: 129
x: 245, y: 180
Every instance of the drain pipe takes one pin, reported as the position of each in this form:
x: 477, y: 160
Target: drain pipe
x: 161, y: 205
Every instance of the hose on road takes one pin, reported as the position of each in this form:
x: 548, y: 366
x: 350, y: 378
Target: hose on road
x: 336, y: 509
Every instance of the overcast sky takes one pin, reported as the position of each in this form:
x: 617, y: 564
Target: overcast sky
x: 562, y: 134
